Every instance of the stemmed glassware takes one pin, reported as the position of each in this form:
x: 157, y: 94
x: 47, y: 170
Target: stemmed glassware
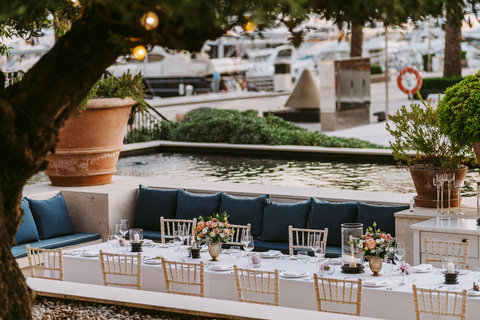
x: 400, y: 252
x: 459, y: 186
x: 247, y: 241
x: 317, y: 246
x: 450, y: 181
x: 118, y: 234
x: 124, y: 227
x: 438, y: 181
x: 437, y: 185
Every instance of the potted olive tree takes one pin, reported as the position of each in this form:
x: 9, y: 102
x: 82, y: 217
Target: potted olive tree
x: 459, y: 113
x: 90, y: 141
x: 419, y: 143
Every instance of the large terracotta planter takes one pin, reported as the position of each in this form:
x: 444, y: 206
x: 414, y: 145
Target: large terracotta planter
x: 87, y: 151
x: 427, y: 192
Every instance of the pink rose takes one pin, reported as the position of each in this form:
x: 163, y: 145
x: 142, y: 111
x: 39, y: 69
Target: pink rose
x: 256, y: 258
x: 216, y: 231
x: 201, y: 225
x: 370, y: 243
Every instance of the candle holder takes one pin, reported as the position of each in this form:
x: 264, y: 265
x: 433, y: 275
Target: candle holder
x: 136, y: 239
x: 351, y: 254
x: 359, y: 268
x: 451, y: 277
x: 136, y: 246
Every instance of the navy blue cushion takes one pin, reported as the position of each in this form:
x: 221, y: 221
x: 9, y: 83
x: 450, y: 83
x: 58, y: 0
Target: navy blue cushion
x: 278, y: 216
x: 333, y: 252
x: 382, y: 215
x: 152, y: 235
x: 27, y: 231
x: 153, y: 204
x: 331, y: 215
x: 191, y: 205
x: 51, y: 217
x: 57, y: 242
x: 243, y: 210
x: 268, y: 245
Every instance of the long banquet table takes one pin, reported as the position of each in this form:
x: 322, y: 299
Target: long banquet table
x: 388, y: 302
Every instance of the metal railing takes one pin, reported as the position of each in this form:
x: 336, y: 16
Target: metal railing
x: 144, y: 125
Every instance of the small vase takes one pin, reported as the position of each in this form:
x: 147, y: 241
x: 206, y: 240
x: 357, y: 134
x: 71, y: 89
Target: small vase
x: 375, y: 263
x: 214, y: 250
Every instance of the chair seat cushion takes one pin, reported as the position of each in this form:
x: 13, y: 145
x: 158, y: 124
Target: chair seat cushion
x: 27, y: 231
x: 382, y: 215
x: 262, y: 246
x: 244, y: 210
x: 191, y: 205
x: 331, y: 215
x: 153, y: 204
x: 51, y: 217
x: 333, y: 252
x: 278, y: 216
x: 54, y: 243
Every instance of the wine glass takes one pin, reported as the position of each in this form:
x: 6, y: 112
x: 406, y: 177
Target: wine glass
x: 124, y: 227
x: 176, y: 239
x: 400, y: 252
x: 450, y: 181
x: 459, y: 186
x: 437, y: 185
x: 317, y: 246
x: 118, y: 235
x: 248, y: 244
x: 182, y: 233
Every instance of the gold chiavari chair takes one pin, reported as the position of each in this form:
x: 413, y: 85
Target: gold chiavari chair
x: 238, y: 230
x: 440, y: 303
x: 45, y: 263
x: 336, y: 291
x: 256, y: 283
x: 299, y: 238
x: 184, y: 277
x: 168, y: 226
x: 435, y: 250
x: 121, y: 270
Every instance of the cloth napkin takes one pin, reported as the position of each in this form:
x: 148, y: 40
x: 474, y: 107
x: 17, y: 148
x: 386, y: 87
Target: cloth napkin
x: 422, y: 267
x: 294, y: 273
x: 373, y: 283
x: 90, y: 253
x: 220, y: 267
x: 270, y: 253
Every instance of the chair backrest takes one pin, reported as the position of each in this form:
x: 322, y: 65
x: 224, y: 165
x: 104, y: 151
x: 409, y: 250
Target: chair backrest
x: 299, y: 238
x: 435, y: 250
x: 238, y: 230
x: 45, y: 263
x: 440, y: 303
x: 256, y: 284
x: 168, y: 226
x: 121, y: 270
x: 184, y: 277
x: 337, y: 291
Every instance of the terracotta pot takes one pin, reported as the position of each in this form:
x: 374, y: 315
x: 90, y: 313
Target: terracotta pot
x: 375, y: 263
x: 214, y: 249
x: 427, y: 192
x: 87, y: 151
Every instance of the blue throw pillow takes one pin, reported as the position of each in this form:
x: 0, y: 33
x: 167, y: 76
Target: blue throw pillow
x: 51, y: 217
x: 278, y: 216
x: 382, y: 215
x: 27, y: 231
x: 153, y: 204
x: 331, y: 215
x: 243, y: 210
x: 191, y: 205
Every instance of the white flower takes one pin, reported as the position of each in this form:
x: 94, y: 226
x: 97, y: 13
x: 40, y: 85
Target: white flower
x: 222, y: 235
x: 390, y: 249
x: 360, y: 245
x: 212, y: 234
x: 205, y: 230
x: 220, y: 224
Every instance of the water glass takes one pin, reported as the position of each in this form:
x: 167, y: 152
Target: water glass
x: 112, y: 241
x: 235, y: 251
x: 302, y: 256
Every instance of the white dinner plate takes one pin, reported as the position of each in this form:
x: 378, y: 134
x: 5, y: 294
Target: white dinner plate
x: 423, y: 270
x: 71, y: 252
x: 294, y: 274
x: 219, y: 267
x: 88, y: 253
x: 165, y: 245
x: 152, y: 261
x: 472, y: 293
x: 270, y: 256
x: 374, y: 284
x: 147, y: 242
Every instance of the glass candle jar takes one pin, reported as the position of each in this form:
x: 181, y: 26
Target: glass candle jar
x: 136, y: 235
x: 352, y: 256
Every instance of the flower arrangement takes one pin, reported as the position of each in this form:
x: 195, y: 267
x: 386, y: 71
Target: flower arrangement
x: 406, y: 269
x: 256, y: 258
x: 476, y: 287
x: 213, y: 229
x: 374, y: 242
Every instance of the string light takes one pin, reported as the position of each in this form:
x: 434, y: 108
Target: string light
x: 139, y: 52
x: 249, y: 27
x: 149, y: 20
x: 75, y: 3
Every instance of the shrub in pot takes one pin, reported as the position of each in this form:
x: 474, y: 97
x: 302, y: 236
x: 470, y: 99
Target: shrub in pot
x: 459, y: 113
x: 419, y: 143
x: 90, y: 140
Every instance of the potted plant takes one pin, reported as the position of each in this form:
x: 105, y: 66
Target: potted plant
x: 459, y: 113
x: 90, y: 141
x: 213, y: 231
x: 419, y: 143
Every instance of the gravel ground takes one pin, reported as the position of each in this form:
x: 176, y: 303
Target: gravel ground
x: 50, y: 309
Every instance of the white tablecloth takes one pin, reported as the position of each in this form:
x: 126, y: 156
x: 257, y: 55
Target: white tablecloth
x: 298, y: 293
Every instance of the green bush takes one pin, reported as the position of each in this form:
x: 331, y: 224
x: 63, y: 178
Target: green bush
x: 246, y: 127
x: 143, y: 134
x: 417, y: 130
x: 459, y: 111
x: 440, y: 83
x: 375, y: 69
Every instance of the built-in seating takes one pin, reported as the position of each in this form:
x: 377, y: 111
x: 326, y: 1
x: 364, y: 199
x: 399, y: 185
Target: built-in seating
x: 269, y: 220
x: 46, y: 224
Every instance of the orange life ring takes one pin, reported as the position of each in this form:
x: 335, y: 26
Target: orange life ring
x: 400, y: 82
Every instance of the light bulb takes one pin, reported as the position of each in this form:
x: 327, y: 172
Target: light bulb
x: 249, y: 26
x: 139, y: 52
x: 149, y: 20
x: 75, y: 3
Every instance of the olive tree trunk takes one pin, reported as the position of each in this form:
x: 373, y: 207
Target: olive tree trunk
x: 452, y: 64
x: 356, y: 41
x: 31, y: 113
